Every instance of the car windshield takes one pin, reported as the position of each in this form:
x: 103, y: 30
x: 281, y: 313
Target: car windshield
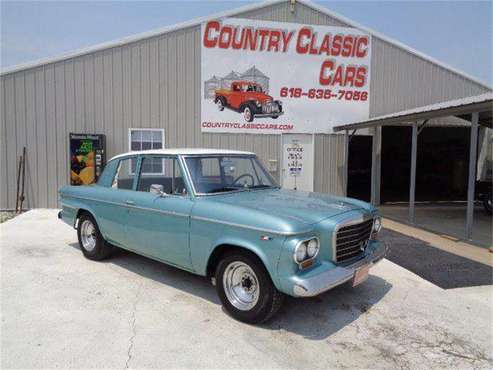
x: 252, y: 88
x: 220, y: 174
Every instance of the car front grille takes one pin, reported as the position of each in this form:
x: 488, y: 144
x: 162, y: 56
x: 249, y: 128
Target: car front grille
x: 270, y: 107
x: 351, y: 240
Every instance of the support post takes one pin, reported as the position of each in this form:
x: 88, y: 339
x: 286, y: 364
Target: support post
x: 472, y: 174
x: 346, y: 162
x: 374, y: 196
x: 412, y: 183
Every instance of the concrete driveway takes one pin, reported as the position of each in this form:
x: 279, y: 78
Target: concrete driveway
x: 61, y: 310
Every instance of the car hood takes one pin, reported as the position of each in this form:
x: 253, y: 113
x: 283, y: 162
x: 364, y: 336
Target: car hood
x: 305, y: 207
x: 259, y: 96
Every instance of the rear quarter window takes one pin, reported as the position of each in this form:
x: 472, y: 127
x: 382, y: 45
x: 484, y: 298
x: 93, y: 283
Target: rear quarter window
x: 108, y: 174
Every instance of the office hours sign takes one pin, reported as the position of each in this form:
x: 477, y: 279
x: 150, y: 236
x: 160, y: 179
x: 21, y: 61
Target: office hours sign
x: 272, y: 78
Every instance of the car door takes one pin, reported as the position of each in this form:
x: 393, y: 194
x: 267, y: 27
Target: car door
x: 158, y: 225
x: 112, y: 205
x: 235, y: 96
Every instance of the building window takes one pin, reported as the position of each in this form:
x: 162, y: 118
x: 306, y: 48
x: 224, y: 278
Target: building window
x: 146, y: 139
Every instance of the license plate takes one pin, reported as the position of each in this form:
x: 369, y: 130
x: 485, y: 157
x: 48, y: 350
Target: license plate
x: 361, y: 275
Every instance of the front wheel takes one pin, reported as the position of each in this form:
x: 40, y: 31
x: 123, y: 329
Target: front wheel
x: 248, y: 114
x: 245, y: 288
x: 91, y: 242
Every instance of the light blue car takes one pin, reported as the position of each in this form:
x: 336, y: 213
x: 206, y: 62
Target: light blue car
x: 218, y: 213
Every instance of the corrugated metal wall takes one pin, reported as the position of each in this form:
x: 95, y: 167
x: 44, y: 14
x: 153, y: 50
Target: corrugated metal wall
x: 156, y: 83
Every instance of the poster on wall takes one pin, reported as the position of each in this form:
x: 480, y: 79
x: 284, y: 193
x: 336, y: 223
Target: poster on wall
x: 264, y: 77
x: 87, y: 156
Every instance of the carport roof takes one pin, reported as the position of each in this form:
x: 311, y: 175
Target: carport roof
x: 461, y: 108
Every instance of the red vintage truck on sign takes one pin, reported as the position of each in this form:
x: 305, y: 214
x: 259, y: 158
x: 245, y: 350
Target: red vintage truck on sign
x: 248, y: 98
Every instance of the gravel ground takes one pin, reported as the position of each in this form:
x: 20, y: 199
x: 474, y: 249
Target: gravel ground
x: 60, y: 310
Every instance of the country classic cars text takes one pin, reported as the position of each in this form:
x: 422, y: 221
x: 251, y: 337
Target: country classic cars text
x: 304, y: 40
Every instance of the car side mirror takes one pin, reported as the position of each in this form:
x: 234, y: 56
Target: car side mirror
x: 157, y: 189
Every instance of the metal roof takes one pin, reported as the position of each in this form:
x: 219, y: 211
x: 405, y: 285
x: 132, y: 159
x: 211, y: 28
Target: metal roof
x: 231, y: 13
x: 184, y: 151
x: 253, y: 71
x: 460, y: 108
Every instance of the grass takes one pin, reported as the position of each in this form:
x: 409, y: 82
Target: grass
x: 6, y: 215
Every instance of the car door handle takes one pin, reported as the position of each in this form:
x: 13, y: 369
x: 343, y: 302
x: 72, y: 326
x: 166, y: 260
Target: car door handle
x: 130, y: 202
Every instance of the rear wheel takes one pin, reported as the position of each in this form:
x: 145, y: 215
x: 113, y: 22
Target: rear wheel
x: 220, y: 104
x: 245, y: 288
x: 91, y: 241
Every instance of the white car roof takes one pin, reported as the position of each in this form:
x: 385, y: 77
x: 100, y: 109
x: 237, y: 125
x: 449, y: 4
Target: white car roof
x: 184, y: 151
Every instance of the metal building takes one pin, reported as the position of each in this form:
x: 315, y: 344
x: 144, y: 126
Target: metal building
x: 152, y: 81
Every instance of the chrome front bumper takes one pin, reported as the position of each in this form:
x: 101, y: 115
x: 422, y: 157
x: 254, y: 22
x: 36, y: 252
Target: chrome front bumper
x: 315, y: 285
x: 268, y: 114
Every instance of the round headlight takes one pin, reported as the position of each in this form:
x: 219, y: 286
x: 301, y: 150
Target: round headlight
x: 377, y: 224
x: 300, y: 253
x: 312, y: 248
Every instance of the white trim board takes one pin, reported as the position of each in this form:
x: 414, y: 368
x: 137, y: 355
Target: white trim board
x: 230, y: 13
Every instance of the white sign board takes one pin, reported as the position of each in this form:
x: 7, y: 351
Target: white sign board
x: 297, y: 159
x: 271, y: 78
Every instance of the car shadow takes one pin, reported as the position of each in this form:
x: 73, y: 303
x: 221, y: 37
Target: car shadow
x: 313, y: 318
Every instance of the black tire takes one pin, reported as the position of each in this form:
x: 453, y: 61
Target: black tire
x: 487, y: 203
x: 269, y: 299
x: 275, y: 117
x: 101, y: 249
x: 223, y: 103
x: 248, y: 112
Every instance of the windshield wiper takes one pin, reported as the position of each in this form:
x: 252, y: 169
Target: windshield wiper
x: 261, y: 186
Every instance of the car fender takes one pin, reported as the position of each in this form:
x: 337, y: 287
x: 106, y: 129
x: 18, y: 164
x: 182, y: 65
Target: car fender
x: 71, y: 208
x: 268, y: 254
x: 248, y: 102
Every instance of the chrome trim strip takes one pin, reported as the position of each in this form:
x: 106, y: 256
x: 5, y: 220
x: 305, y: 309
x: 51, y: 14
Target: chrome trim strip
x: 269, y: 114
x: 277, y: 232
x: 172, y: 213
x: 96, y: 200
x: 68, y: 206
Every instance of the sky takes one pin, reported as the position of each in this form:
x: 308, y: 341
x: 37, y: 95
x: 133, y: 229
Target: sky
x: 458, y: 33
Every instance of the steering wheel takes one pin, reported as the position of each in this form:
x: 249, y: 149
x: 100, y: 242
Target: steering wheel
x: 244, y: 175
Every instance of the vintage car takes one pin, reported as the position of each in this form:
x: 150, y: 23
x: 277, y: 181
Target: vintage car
x: 219, y: 214
x: 248, y: 98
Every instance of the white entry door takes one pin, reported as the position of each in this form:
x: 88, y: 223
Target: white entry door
x: 297, y: 162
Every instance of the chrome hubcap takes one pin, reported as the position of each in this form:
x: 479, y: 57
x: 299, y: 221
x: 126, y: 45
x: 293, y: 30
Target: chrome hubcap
x: 88, y: 235
x: 219, y: 104
x: 241, y: 285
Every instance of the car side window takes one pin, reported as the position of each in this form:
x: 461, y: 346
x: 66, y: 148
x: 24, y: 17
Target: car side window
x: 170, y: 180
x: 125, y: 174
